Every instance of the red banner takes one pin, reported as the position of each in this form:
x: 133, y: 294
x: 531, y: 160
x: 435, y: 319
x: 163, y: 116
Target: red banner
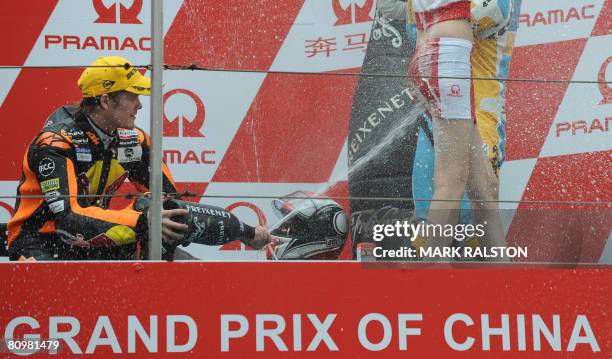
x: 322, y: 310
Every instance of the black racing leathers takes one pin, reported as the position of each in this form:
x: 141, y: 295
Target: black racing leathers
x: 68, y: 158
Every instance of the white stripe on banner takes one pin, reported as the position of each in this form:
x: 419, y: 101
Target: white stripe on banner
x: 514, y: 176
x: 72, y: 40
x: 547, y: 21
x: 606, y: 256
x: 326, y: 38
x: 583, y: 122
x: 7, y: 79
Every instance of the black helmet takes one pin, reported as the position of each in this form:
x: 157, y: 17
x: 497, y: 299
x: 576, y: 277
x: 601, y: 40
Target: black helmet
x: 309, y: 228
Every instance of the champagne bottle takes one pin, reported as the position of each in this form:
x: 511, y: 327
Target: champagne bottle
x: 210, y: 225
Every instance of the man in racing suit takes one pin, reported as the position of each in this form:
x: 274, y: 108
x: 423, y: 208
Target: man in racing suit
x: 73, y: 166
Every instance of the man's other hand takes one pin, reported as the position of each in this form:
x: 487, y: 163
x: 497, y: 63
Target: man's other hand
x: 262, y: 237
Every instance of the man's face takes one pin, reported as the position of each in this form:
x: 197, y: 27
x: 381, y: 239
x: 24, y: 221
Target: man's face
x: 122, y: 110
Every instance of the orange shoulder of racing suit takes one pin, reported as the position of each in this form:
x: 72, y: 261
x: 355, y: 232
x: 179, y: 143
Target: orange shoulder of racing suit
x: 69, y: 177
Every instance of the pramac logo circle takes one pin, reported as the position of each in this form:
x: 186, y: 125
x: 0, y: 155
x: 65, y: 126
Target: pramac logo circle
x: 190, y: 127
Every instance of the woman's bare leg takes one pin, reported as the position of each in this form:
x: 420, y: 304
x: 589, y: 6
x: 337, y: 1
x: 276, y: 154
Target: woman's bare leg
x: 451, y: 173
x: 483, y: 185
x: 452, y: 137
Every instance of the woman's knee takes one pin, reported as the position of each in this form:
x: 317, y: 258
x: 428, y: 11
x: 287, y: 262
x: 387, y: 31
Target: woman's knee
x: 486, y: 189
x: 451, y: 186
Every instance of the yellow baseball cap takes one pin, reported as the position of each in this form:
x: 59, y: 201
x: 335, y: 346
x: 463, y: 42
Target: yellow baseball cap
x: 113, y: 73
